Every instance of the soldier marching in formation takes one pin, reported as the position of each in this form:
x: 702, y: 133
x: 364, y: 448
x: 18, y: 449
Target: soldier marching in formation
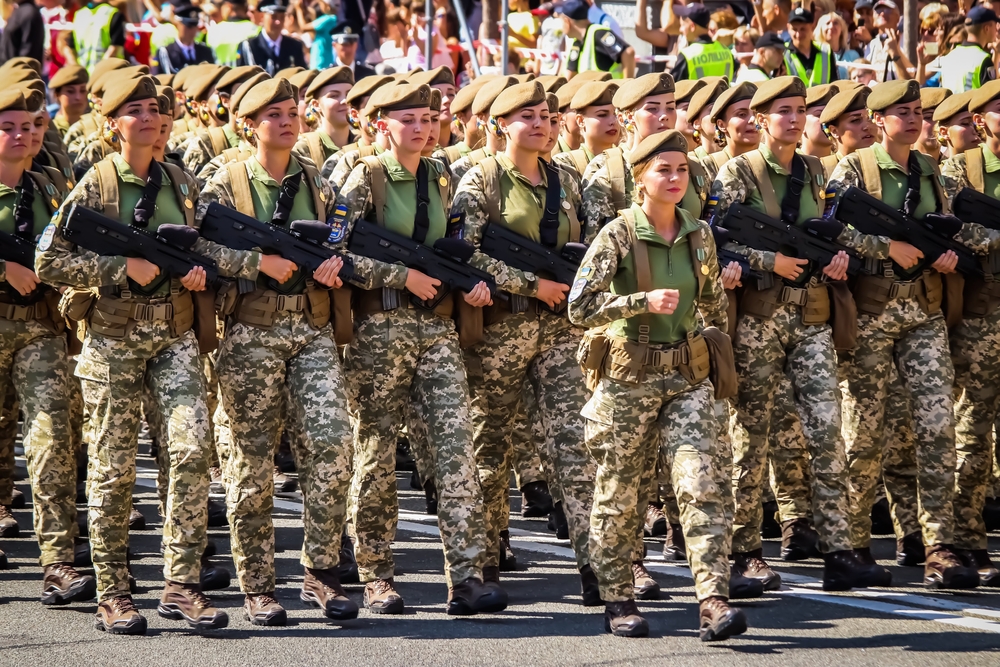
x: 685, y: 366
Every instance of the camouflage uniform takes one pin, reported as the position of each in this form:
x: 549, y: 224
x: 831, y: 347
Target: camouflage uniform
x: 766, y: 350
x: 535, y: 344
x: 77, y: 134
x: 267, y: 375
x: 8, y: 436
x: 899, y: 460
x: 788, y: 457
x: 114, y: 371
x: 915, y: 342
x: 198, y: 150
x: 94, y: 150
x: 624, y: 420
x: 397, y: 357
x: 345, y: 165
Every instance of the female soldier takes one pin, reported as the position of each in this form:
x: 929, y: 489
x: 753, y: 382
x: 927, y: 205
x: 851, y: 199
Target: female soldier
x: 653, y: 314
x: 594, y: 111
x: 139, y: 334
x: 279, y: 351
x: 955, y: 128
x: 325, y: 100
x: 481, y: 110
x: 847, y: 122
x: 401, y: 351
x: 974, y: 347
x: 33, y: 356
x: 524, y: 337
x: 356, y: 101
x: 699, y: 114
x: 784, y: 330
x: 735, y: 126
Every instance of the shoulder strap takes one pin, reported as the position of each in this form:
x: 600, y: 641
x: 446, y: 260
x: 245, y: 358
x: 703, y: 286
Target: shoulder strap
x: 182, y: 190
x: 240, y: 180
x: 758, y: 166
x: 235, y: 154
x: 314, y: 180
x: 870, y: 174
x: 936, y: 181
x: 829, y: 164
x: 696, y: 244
x: 616, y: 174
x: 377, y: 176
x: 643, y: 275
x: 315, y: 145
x: 366, y: 151
x: 718, y: 158
x: 579, y: 158
x: 453, y: 153
x: 974, y: 168
x: 217, y: 138
x: 817, y: 177
x: 491, y: 187
x: 107, y: 179
x: 48, y: 189
x: 476, y: 156
x: 443, y: 180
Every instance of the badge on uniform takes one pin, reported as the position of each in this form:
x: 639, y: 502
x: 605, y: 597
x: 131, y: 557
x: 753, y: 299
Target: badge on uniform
x: 46, y: 239
x: 337, y: 226
x: 585, y: 271
x: 456, y: 226
x: 577, y: 289
x: 608, y: 39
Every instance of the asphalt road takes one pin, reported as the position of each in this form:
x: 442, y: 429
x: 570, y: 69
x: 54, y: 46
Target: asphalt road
x: 544, y: 624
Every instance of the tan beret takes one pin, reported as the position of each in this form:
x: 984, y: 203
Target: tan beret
x: 270, y: 91
x: 703, y: 100
x: 953, y: 106
x: 661, y: 142
x: 633, y: 91
x: 19, y: 74
x: 435, y: 104
x: 180, y: 78
x: 553, y: 101
x: 436, y: 77
x: 243, y: 89
x: 983, y: 96
x: 686, y: 88
x: 109, y: 65
x: 70, y: 75
x: 288, y: 72
x: 198, y: 89
x: 329, y: 77
x: 847, y: 84
x: 551, y: 82
x: 742, y: 91
x: 524, y: 78
x: 234, y: 77
x: 403, y: 76
x: 34, y: 97
x: 820, y: 96
x: 301, y: 80
x: 594, y: 94
x: 23, y: 61
x: 489, y: 92
x: 845, y: 102
x: 566, y: 92
x: 164, y: 79
x: 364, y: 88
x: 121, y: 91
x: 11, y: 99
x: 165, y: 100
x: 777, y: 89
x: 464, y: 97
x: 399, y: 98
x: 518, y: 97
x: 593, y: 75
x: 930, y: 98
x: 884, y: 95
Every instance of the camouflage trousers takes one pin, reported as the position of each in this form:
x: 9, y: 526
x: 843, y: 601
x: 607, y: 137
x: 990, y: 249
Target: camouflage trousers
x: 626, y: 426
x: 917, y: 345
x: 975, y: 351
x: 542, y: 347
x: 8, y: 435
x: 526, y: 457
x: 788, y: 457
x: 899, y: 460
x: 33, y: 362
x: 115, y: 372
x: 411, y: 357
x: 266, y: 376
x: 768, y: 350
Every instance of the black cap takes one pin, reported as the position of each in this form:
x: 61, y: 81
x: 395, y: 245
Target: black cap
x: 800, y: 15
x: 187, y: 14
x: 272, y: 6
x: 981, y: 14
x: 343, y: 32
x: 698, y: 13
x: 578, y: 10
x: 769, y: 39
x: 863, y: 4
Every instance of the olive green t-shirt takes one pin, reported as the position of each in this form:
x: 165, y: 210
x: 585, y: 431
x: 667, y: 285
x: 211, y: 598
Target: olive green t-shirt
x: 524, y: 204
x: 8, y: 201
x: 670, y: 268
x: 894, y: 182
x: 400, y: 206
x: 991, y: 172
x: 809, y: 207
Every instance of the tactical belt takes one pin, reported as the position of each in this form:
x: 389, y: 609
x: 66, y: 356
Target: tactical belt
x: 388, y: 299
x: 15, y: 313
x: 798, y: 296
x: 662, y: 356
x: 138, y: 308
x: 904, y: 290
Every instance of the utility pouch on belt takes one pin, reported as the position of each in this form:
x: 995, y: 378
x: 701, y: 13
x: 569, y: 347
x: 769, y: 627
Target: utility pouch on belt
x: 696, y: 367
x: 952, y: 304
x: 981, y: 297
x: 317, y: 306
x: 469, y: 320
x: 872, y: 293
x: 592, y: 355
x: 760, y: 303
x: 843, y: 317
x: 183, y: 306
x: 205, y: 322
x: 723, y: 363
x: 343, y: 318
x: 75, y: 304
x: 816, y: 310
x: 930, y: 292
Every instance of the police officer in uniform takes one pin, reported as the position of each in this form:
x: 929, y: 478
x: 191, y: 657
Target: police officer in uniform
x: 702, y: 56
x: 345, y: 51
x: 969, y: 65
x: 270, y: 49
x: 98, y: 33
x: 226, y: 37
x: 177, y: 55
x: 813, y: 63
x: 594, y: 46
x: 768, y: 55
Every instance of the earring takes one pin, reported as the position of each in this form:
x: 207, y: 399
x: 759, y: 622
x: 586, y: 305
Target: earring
x: 221, y: 111
x: 759, y: 127
x: 696, y: 134
x: 311, y: 116
x: 109, y: 135
x: 247, y: 131
x: 720, y: 138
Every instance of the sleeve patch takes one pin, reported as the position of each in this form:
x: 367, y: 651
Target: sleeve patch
x: 577, y: 290
x: 47, y: 235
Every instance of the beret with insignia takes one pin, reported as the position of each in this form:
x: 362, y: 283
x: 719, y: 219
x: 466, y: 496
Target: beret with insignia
x: 11, y: 99
x: 703, y: 100
x: 661, y: 142
x: 68, y: 75
x: 686, y: 88
x: 243, y: 89
x: 742, y: 91
x: 329, y: 77
x: 518, y: 97
x: 569, y: 90
x: 594, y: 94
x: 930, y: 98
x: 399, y: 98
x: 199, y: 88
x: 364, y: 88
x: 777, y: 89
x: 489, y: 92
x: 435, y: 103
x: 121, y: 91
x: 231, y: 80
x: 844, y: 103
x: 265, y: 93
x: 438, y: 76
x: 108, y: 65
x: 820, y: 96
x: 952, y: 106
x: 553, y: 101
x: 551, y: 82
x: 633, y: 91
x: 165, y: 100
x: 886, y: 94
x: 464, y: 97
x: 301, y: 80
x: 983, y: 96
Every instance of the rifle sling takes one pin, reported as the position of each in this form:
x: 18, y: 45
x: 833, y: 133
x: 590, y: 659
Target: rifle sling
x: 548, y: 227
x: 421, y: 220
x: 792, y: 200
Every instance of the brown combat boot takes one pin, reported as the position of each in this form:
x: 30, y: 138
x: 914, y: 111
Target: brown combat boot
x: 491, y: 574
x: 186, y: 602
x: 8, y: 524
x: 718, y: 621
x: 655, y: 523
x: 118, y: 616
x: 799, y: 540
x: 381, y: 597
x: 644, y: 586
x: 673, y: 548
x: 322, y: 589
x: 943, y: 569
x: 752, y: 564
x: 622, y: 619
x: 62, y: 584
x: 263, y: 609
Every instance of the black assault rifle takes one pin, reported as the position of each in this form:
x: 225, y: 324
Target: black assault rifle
x: 764, y: 279
x: 973, y: 206
x: 14, y: 248
x: 814, y: 240
x: 932, y: 235
x: 168, y: 247
x: 447, y: 261
x: 301, y: 242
